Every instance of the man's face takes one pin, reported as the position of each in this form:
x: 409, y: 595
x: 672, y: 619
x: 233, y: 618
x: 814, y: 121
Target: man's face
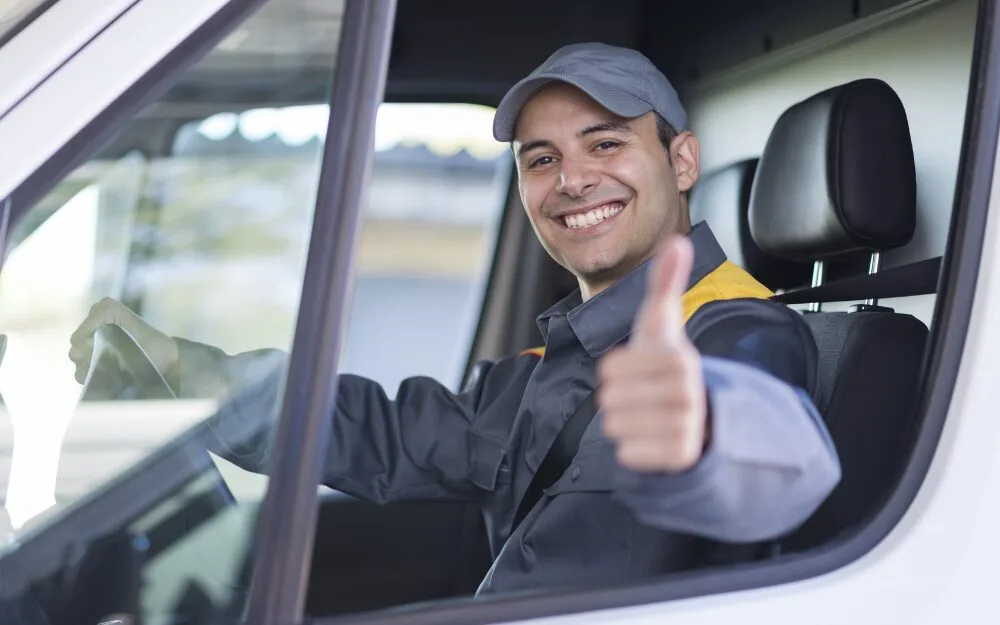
x: 600, y: 191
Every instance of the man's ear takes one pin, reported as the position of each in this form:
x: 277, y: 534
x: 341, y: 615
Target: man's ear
x: 685, y: 151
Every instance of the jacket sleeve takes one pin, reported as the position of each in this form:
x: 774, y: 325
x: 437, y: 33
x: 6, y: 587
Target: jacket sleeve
x: 770, y: 462
x: 203, y: 371
x: 421, y: 444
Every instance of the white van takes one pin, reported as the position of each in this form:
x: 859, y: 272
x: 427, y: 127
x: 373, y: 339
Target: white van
x: 319, y: 176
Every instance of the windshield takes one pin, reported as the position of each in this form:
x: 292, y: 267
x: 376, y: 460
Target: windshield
x: 12, y: 12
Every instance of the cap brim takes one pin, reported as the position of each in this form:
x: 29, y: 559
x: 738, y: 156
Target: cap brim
x: 615, y: 100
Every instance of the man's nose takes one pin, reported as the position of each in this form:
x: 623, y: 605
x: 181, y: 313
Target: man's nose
x: 576, y: 178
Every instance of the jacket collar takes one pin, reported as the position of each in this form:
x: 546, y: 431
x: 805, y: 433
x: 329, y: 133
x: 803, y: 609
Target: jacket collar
x: 606, y: 319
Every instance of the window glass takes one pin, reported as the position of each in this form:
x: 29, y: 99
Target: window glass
x: 205, y: 241
x: 115, y: 452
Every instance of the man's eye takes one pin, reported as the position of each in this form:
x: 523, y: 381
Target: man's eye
x: 607, y: 145
x: 540, y: 162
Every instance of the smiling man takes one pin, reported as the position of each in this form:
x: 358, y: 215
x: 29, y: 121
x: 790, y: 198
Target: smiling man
x: 594, y: 183
x: 667, y: 423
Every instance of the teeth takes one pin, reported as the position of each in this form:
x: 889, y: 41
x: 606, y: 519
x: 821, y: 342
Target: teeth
x: 593, y: 217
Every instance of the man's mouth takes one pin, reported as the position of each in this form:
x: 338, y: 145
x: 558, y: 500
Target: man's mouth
x: 593, y: 216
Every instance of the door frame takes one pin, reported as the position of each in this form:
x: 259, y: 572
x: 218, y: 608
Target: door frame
x: 117, y: 72
x: 46, y: 38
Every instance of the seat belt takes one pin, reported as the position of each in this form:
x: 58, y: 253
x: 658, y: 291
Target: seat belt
x: 558, y: 458
x: 920, y: 278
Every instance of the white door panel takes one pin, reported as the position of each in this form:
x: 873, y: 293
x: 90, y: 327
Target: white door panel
x: 48, y: 41
x: 97, y: 75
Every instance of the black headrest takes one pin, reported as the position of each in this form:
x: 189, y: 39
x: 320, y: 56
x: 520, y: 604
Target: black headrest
x: 837, y: 176
x: 722, y: 199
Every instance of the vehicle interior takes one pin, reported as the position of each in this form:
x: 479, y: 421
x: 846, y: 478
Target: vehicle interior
x: 831, y: 135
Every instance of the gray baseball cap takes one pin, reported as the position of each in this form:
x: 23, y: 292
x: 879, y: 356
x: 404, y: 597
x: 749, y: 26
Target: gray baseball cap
x: 621, y: 80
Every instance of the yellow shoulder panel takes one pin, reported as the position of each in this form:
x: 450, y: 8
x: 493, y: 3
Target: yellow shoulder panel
x: 727, y: 281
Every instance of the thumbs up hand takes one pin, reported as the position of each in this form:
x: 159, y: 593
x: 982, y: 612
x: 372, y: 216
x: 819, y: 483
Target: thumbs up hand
x: 651, y: 394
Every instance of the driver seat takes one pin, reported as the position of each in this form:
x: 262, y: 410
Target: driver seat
x: 722, y: 199
x: 837, y: 178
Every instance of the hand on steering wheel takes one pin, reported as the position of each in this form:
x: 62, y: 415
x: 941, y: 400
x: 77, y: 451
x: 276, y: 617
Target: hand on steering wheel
x: 115, y: 353
x: 115, y: 350
x: 123, y: 353
x: 160, y: 349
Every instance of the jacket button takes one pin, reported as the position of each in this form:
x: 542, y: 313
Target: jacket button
x: 576, y: 473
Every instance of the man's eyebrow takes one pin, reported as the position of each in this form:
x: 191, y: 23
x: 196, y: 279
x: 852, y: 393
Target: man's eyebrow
x: 616, y: 125
x: 531, y: 145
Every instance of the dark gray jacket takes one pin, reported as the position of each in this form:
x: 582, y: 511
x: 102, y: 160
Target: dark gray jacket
x: 769, y: 465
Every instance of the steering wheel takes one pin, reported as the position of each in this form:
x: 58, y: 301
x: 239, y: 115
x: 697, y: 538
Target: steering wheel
x: 121, y: 369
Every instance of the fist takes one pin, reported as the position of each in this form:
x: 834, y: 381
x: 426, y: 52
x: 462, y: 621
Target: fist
x: 651, y: 393
x: 160, y: 348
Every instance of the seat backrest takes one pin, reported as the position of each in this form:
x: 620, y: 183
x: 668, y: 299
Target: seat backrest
x: 836, y: 178
x: 722, y: 198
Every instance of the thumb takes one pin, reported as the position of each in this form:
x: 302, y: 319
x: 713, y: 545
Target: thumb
x: 661, y: 318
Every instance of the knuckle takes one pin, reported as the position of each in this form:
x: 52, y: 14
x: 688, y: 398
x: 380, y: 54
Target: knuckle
x: 610, y: 428
x: 694, y: 448
x: 628, y: 456
x: 608, y: 366
x: 108, y: 308
x: 686, y: 379
x: 612, y: 397
x: 608, y: 405
x: 613, y: 430
x: 685, y: 450
x: 684, y: 404
x: 672, y: 443
x: 683, y: 361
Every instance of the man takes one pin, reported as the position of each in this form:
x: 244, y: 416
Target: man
x: 707, y: 444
